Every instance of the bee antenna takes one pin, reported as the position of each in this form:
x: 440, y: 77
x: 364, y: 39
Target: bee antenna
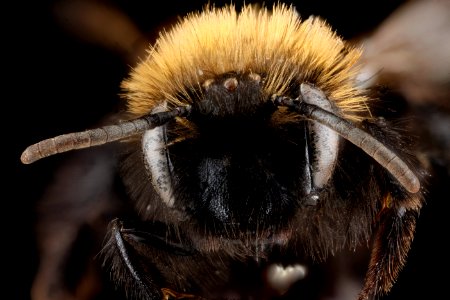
x: 377, y: 150
x: 100, y: 136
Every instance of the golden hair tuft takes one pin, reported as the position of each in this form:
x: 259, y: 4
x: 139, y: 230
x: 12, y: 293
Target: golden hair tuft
x: 274, y: 43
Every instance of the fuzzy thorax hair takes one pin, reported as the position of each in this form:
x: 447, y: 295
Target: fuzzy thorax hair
x: 275, y: 44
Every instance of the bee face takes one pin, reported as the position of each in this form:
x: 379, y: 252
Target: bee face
x: 238, y: 167
x: 251, y: 132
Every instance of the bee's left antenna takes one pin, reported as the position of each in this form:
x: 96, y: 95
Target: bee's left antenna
x: 99, y: 136
x: 369, y: 144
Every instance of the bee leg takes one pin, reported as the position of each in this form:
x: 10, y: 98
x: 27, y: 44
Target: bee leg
x: 130, y: 254
x: 126, y: 267
x: 392, y: 241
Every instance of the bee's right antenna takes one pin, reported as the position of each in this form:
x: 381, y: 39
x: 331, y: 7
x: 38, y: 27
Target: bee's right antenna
x: 99, y: 136
x: 383, y: 155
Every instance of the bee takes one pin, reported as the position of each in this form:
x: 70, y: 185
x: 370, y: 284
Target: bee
x: 246, y: 136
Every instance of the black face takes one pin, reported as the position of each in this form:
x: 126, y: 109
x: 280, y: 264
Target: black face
x: 242, y: 169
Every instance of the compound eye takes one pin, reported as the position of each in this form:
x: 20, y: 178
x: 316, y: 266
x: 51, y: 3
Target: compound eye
x: 323, y: 143
x: 157, y: 160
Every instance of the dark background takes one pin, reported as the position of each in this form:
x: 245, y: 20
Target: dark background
x: 59, y: 82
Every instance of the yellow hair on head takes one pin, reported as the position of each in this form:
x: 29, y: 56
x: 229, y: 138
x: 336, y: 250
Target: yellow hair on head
x: 275, y: 44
